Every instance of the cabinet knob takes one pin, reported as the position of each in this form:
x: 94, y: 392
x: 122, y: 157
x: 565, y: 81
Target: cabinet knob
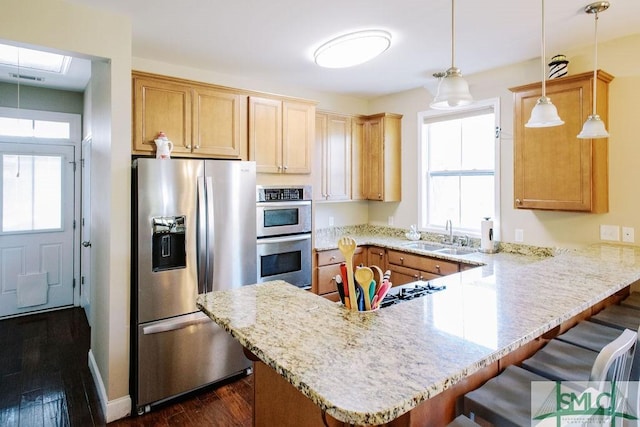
x: 401, y: 260
x: 518, y: 202
x: 197, y: 147
x: 332, y: 258
x: 438, y: 267
x: 416, y: 276
x: 286, y: 167
x: 380, y: 254
x: 279, y: 167
x: 188, y: 147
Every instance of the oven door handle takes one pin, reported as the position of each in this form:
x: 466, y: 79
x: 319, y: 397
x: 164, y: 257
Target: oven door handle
x: 286, y: 204
x: 284, y: 239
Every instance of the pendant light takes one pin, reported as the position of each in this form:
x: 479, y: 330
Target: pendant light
x: 594, y: 126
x: 544, y: 113
x: 453, y: 90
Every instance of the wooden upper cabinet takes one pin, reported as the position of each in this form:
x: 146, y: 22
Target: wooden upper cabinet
x: 381, y: 159
x: 218, y: 120
x: 553, y: 169
x: 200, y: 120
x: 265, y: 133
x: 160, y: 106
x: 358, y: 178
x: 281, y: 134
x: 333, y: 157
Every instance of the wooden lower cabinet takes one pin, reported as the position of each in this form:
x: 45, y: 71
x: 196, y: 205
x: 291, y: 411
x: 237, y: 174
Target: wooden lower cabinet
x: 328, y: 266
x: 407, y: 267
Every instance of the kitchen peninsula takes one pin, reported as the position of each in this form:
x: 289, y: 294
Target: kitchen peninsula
x: 391, y: 365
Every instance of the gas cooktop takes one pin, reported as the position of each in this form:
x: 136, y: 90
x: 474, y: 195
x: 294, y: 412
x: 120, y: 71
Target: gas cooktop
x: 408, y: 292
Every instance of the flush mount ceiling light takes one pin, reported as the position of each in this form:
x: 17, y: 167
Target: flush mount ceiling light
x: 544, y: 113
x: 352, y: 49
x: 453, y: 90
x: 594, y: 126
x: 34, y: 59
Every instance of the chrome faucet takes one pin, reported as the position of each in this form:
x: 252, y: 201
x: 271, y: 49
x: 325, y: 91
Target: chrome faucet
x: 449, y: 227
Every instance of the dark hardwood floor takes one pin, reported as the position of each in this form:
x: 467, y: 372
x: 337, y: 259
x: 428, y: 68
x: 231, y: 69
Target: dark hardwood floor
x: 45, y: 381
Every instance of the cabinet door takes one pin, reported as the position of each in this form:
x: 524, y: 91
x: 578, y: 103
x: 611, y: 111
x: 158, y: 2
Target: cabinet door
x: 217, y: 123
x: 265, y: 134
x: 402, y: 275
x: 374, y: 160
x: 377, y: 256
x: 358, y: 178
x: 160, y: 106
x: 319, y: 158
x: 298, y: 130
x: 338, y: 158
x: 553, y: 169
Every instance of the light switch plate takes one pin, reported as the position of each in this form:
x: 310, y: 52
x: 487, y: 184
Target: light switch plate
x: 610, y: 232
x: 519, y: 237
x: 330, y: 221
x: 628, y: 234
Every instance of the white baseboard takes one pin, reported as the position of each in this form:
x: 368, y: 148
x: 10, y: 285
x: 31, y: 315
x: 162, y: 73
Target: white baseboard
x: 115, y: 409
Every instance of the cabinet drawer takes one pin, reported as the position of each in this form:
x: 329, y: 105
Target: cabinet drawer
x: 330, y: 257
x: 431, y: 265
x: 326, y: 282
x: 334, y: 256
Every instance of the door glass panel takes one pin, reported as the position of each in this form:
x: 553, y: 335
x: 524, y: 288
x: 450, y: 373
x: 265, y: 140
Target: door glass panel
x: 31, y: 193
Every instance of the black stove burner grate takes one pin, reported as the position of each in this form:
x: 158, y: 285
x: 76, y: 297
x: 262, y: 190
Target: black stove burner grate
x: 409, y: 292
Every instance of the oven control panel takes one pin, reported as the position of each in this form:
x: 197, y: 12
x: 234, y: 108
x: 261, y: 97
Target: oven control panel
x: 283, y: 193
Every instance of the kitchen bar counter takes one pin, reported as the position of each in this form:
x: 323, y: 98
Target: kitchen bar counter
x: 370, y: 368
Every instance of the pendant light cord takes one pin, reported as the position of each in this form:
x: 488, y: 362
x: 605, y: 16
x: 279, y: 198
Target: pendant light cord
x: 595, y: 62
x: 543, y: 60
x: 453, y: 32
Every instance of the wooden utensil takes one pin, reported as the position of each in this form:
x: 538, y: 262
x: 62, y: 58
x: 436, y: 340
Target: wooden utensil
x: 348, y: 247
x: 364, y: 277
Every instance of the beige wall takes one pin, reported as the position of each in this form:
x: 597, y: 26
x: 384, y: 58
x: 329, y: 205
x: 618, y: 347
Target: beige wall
x: 106, y: 39
x: 564, y: 229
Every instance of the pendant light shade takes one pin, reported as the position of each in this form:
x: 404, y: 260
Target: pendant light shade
x: 453, y: 90
x: 594, y: 126
x: 544, y: 113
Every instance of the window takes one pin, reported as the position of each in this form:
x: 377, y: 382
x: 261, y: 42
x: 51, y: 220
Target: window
x: 21, y: 125
x: 31, y: 192
x: 458, y: 164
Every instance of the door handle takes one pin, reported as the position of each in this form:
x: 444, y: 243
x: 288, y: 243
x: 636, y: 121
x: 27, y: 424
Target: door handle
x: 86, y: 244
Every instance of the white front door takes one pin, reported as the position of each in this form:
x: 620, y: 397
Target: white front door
x: 36, y: 227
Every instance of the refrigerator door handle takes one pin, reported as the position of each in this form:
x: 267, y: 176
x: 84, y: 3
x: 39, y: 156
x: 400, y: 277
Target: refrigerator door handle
x: 175, y: 324
x: 201, y: 236
x: 210, y: 235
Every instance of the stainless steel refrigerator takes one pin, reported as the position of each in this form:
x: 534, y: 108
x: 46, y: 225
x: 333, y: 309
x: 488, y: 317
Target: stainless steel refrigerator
x: 194, y: 231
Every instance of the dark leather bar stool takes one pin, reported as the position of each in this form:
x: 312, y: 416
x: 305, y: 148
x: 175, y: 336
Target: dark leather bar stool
x: 506, y: 399
x: 590, y: 335
x: 633, y: 300
x: 617, y: 316
x: 462, y: 421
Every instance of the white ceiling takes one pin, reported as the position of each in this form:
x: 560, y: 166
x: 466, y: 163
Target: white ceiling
x: 275, y: 39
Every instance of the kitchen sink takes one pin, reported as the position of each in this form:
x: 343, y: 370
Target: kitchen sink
x: 430, y: 247
x: 423, y: 246
x: 455, y: 251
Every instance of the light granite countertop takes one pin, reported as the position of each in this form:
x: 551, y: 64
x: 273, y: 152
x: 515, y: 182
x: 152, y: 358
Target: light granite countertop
x: 370, y: 368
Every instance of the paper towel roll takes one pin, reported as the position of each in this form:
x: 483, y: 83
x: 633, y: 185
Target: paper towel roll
x: 486, y: 236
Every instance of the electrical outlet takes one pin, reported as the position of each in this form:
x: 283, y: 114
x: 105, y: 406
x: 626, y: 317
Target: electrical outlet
x: 519, y: 237
x: 330, y: 221
x: 628, y: 234
x: 390, y: 220
x: 610, y: 232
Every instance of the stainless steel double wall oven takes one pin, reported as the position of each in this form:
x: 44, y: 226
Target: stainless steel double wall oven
x: 283, y: 216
